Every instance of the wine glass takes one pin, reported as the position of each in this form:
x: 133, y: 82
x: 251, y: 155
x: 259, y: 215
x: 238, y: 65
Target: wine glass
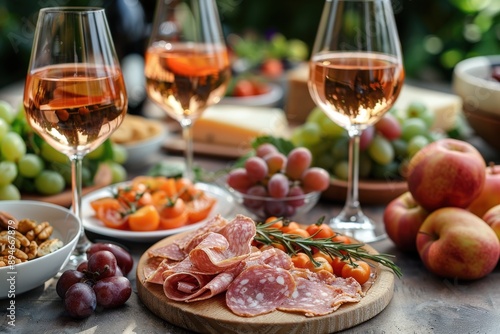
x: 74, y: 95
x: 186, y: 64
x: 356, y: 74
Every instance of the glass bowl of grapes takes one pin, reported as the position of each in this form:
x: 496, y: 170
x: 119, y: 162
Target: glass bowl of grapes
x: 277, y: 181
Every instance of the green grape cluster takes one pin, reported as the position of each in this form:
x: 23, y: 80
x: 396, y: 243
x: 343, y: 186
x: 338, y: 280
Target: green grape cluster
x: 385, y: 148
x: 29, y: 165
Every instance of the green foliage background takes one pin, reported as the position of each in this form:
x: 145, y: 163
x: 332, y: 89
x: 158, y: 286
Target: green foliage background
x: 435, y: 34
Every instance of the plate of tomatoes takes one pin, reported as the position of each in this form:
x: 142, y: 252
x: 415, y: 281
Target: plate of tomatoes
x: 148, y: 208
x: 253, y: 92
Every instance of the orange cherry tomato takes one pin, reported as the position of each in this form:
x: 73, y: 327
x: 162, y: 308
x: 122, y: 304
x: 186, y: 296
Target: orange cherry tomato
x: 359, y: 270
x: 337, y: 265
x: 290, y: 226
x: 341, y: 238
x: 300, y: 260
x: 146, y: 218
x: 172, y: 208
x: 277, y: 222
x: 174, y: 222
x: 320, y: 231
x: 323, y: 265
x: 324, y: 256
x: 299, y: 232
x: 110, y: 212
x: 199, y: 208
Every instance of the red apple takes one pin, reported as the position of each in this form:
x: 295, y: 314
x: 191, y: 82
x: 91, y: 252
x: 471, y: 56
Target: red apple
x: 455, y: 243
x: 402, y: 220
x: 447, y: 172
x: 490, y: 195
x: 492, y: 218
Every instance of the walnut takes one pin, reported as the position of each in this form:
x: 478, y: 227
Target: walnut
x: 20, y: 240
x: 26, y: 225
x: 17, y: 253
x: 49, y: 246
x: 7, y: 221
x: 31, y: 250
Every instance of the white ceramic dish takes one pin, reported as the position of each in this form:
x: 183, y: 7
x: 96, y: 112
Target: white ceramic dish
x: 270, y: 99
x: 138, y: 153
x: 33, y: 273
x: 224, y: 206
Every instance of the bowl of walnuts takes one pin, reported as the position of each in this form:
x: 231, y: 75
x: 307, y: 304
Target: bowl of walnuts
x: 36, y: 240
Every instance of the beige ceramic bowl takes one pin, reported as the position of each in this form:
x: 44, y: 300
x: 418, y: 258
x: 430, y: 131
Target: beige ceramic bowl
x: 33, y: 273
x: 480, y: 93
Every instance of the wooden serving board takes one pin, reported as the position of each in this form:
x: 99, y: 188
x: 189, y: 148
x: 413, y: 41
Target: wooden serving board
x: 214, y: 317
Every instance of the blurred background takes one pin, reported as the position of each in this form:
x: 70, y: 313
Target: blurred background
x: 435, y: 34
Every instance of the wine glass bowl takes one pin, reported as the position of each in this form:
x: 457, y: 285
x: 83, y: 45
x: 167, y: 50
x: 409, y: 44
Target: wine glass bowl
x: 187, y: 67
x: 74, y: 95
x: 356, y: 74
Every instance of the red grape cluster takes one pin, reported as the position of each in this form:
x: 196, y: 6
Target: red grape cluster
x: 283, y: 178
x: 100, y: 281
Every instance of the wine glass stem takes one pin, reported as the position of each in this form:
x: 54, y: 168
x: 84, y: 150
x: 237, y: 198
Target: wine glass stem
x: 76, y: 189
x: 352, y: 207
x: 187, y: 135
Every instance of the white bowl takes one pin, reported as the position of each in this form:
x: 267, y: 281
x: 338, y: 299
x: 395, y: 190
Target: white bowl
x: 269, y: 99
x: 473, y: 82
x: 138, y: 153
x: 33, y: 273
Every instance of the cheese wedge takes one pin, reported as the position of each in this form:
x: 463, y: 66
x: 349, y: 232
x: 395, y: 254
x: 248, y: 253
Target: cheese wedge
x: 446, y: 107
x: 238, y: 125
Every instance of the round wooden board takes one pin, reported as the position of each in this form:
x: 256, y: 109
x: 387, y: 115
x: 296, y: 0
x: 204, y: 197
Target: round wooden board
x: 214, y: 317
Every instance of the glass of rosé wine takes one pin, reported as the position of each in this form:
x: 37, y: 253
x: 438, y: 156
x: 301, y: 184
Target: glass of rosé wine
x: 74, y: 95
x: 187, y: 67
x: 356, y: 74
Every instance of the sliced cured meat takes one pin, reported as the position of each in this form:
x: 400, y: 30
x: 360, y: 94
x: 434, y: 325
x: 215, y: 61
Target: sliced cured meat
x: 239, y: 232
x: 314, y: 298
x: 191, y: 240
x: 171, y: 251
x: 258, y: 290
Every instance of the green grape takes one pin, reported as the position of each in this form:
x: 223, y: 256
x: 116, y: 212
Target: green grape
x: 389, y: 171
x: 8, y: 172
x: 49, y: 182
x: 96, y: 154
x: 331, y: 129
x: 381, y: 150
x: 412, y: 127
x: 419, y: 110
x: 341, y: 170
x: 340, y: 149
x: 310, y: 133
x: 13, y: 147
x: 416, y: 143
x: 87, y: 178
x: 119, y: 153
x: 316, y: 115
x: 9, y: 193
x: 365, y: 165
x: 7, y: 112
x: 118, y: 172
x: 30, y: 165
x: 24, y: 184
x: 4, y: 128
x: 52, y: 155
x: 400, y: 148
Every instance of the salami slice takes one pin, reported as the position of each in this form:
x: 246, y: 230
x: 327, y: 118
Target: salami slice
x: 171, y: 251
x: 258, y: 290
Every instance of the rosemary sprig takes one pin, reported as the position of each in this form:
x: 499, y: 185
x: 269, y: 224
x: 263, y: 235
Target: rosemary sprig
x: 293, y: 244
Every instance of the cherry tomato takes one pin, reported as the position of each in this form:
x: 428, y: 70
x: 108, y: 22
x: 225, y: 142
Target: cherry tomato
x: 299, y: 232
x: 243, y: 88
x: 323, y: 265
x: 110, y: 212
x: 320, y: 231
x: 199, y: 208
x: 300, y: 260
x: 277, y: 223
x: 272, y: 67
x: 337, y: 265
x: 323, y: 255
x: 290, y: 226
x: 174, y: 222
x: 359, y: 270
x: 144, y: 219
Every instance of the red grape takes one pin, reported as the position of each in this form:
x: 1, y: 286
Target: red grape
x: 264, y: 149
x: 80, y: 300
x: 294, y: 192
x: 366, y: 138
x: 82, y: 266
x: 389, y: 127
x: 256, y: 168
x: 123, y: 257
x: 276, y: 162
x: 112, y: 291
x: 67, y: 279
x: 299, y: 159
x: 315, y: 179
x: 278, y: 186
x: 257, y: 190
x: 102, y: 264
x: 238, y: 179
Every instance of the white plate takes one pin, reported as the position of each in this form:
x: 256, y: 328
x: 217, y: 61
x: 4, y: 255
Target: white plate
x: 224, y: 205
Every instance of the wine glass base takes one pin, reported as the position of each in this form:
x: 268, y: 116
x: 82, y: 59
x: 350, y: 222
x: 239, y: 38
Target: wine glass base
x: 361, y: 228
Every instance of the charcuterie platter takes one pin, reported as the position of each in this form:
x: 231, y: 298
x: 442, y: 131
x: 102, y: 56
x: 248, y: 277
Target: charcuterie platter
x: 213, y: 316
